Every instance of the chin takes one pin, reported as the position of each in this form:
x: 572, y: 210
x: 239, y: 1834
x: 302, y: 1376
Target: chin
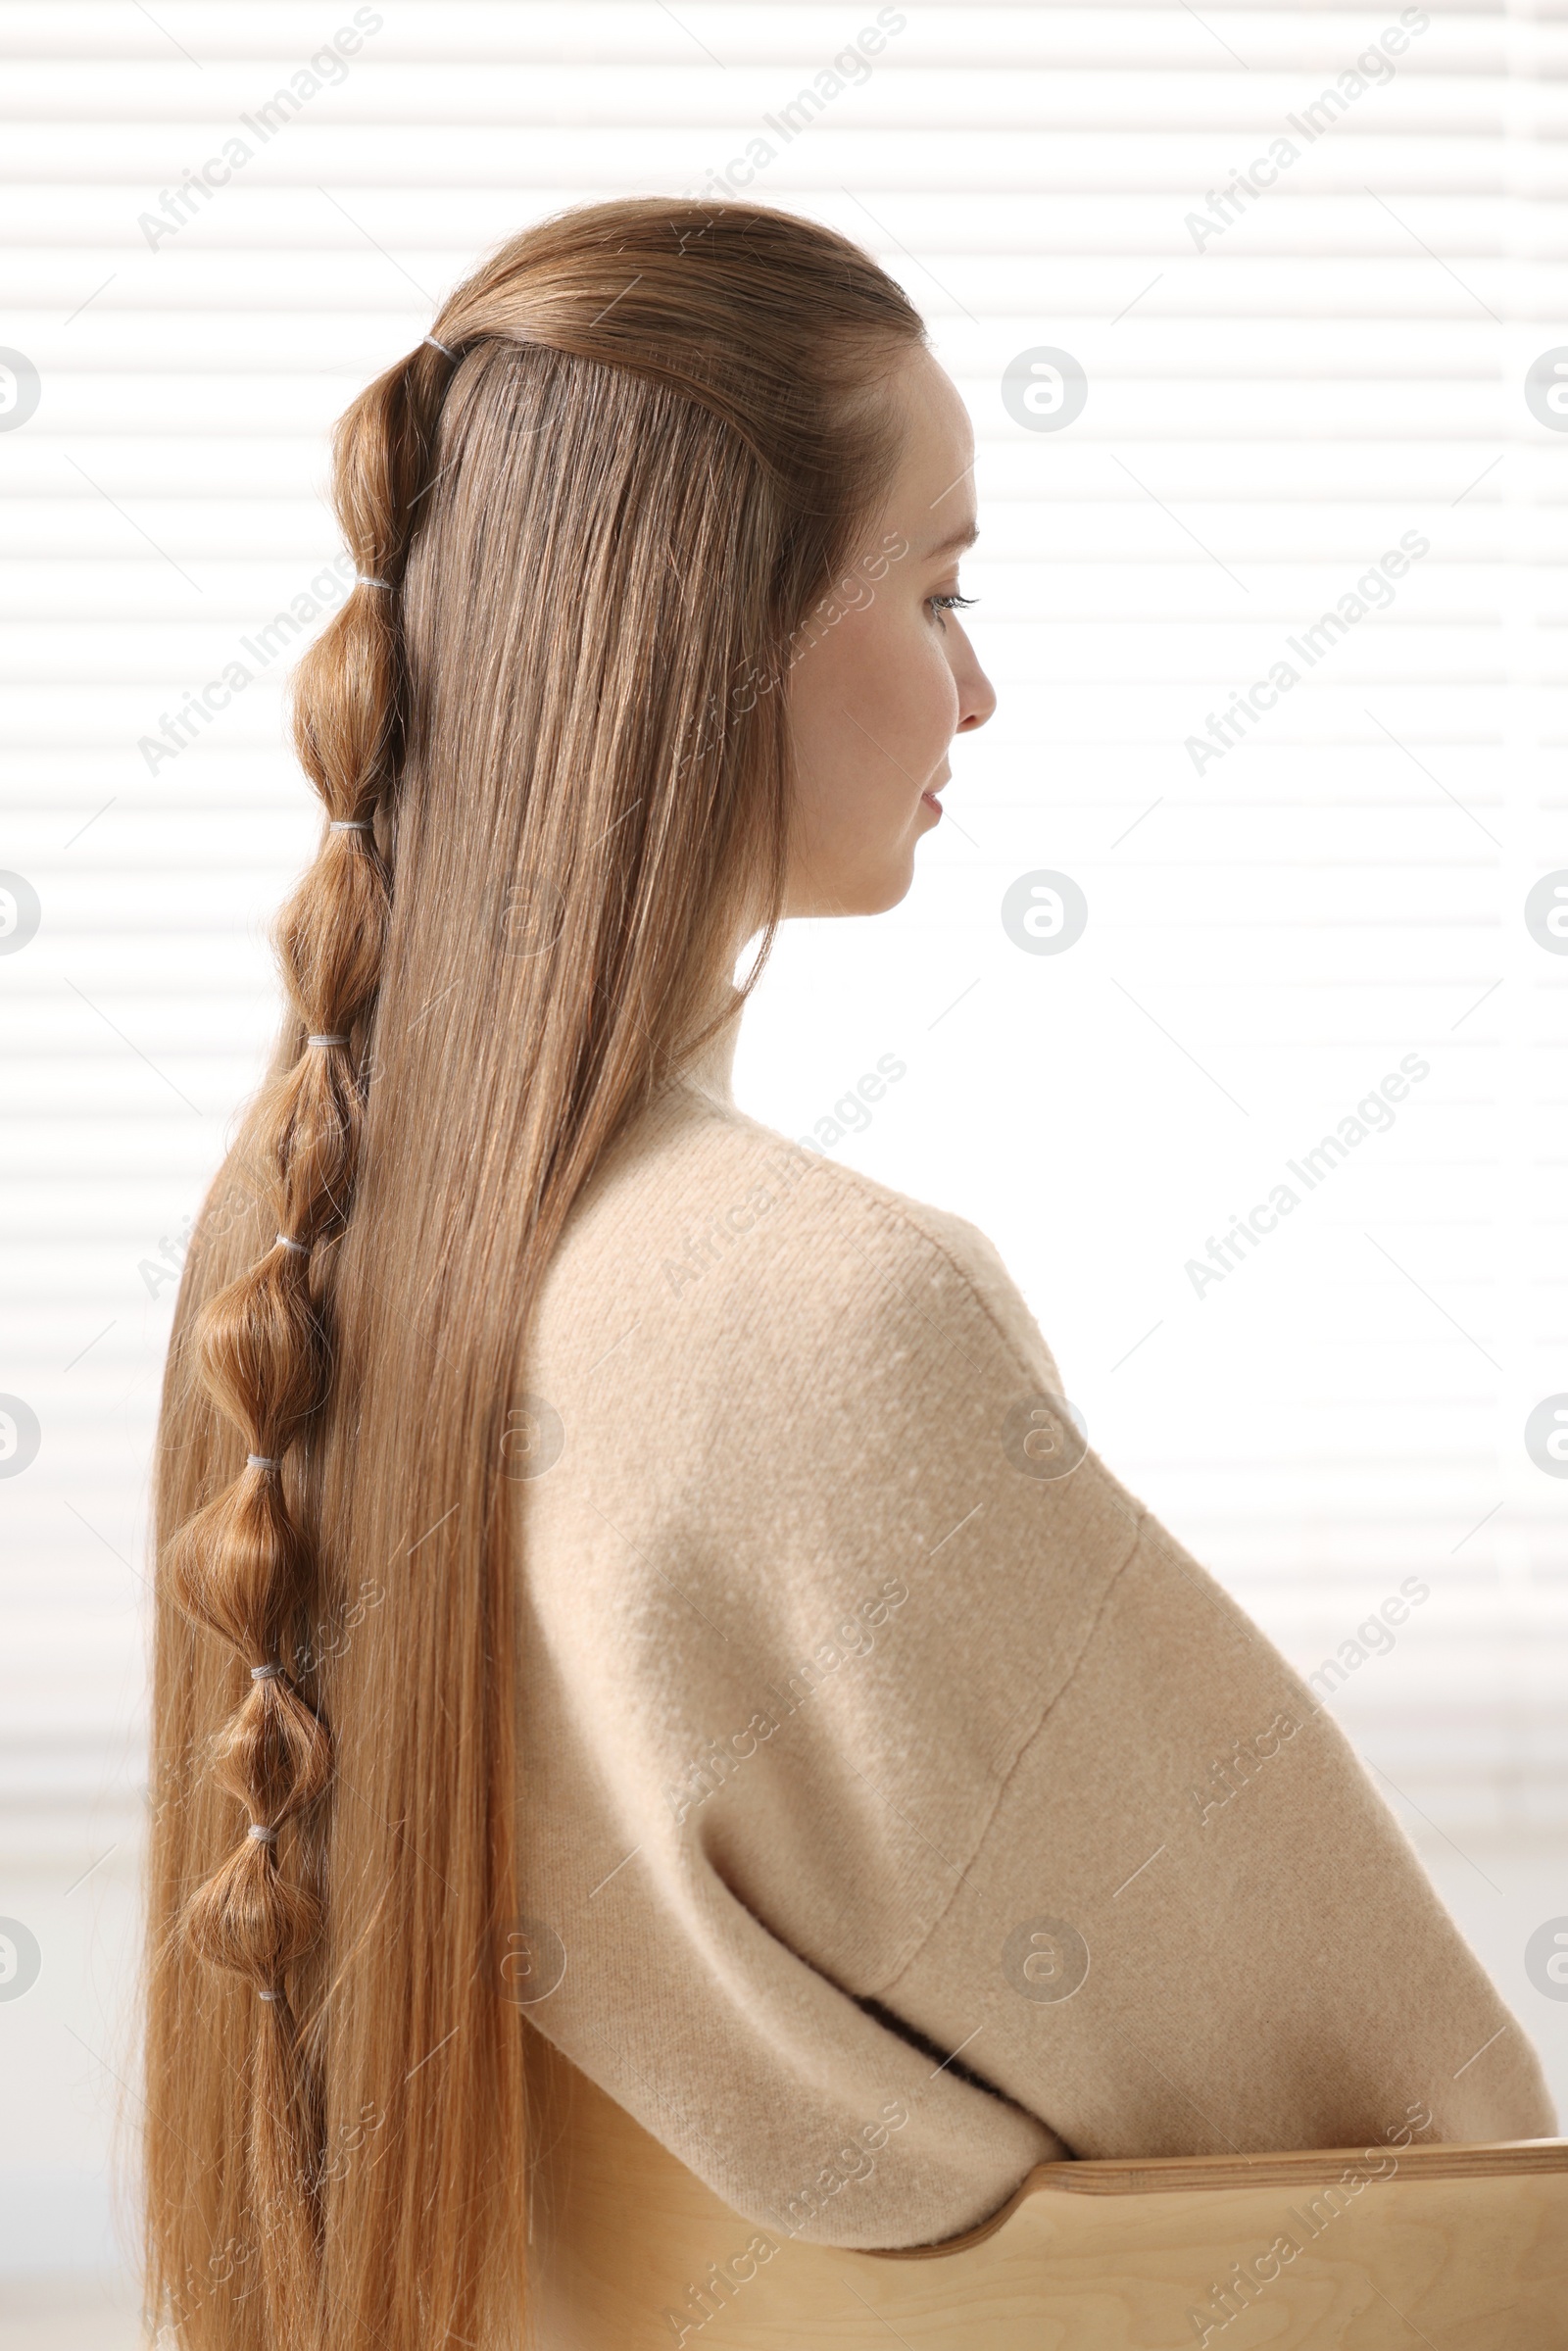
x: 891, y: 890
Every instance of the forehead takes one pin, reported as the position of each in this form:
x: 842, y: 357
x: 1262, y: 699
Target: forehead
x: 932, y: 495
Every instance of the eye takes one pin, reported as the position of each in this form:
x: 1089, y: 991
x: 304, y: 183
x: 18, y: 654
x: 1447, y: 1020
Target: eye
x: 949, y: 604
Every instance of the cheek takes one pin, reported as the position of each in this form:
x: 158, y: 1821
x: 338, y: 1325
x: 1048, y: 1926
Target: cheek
x: 874, y: 709
x: 905, y: 679
x: 879, y: 678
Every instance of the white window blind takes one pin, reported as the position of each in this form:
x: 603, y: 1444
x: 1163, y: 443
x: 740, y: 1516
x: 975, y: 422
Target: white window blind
x: 1304, y: 273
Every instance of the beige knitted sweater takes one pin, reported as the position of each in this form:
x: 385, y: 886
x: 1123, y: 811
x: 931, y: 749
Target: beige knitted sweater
x: 901, y: 1805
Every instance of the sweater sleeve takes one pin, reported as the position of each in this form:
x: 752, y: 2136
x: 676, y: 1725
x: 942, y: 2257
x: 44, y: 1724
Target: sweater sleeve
x: 1200, y: 1928
x: 903, y: 1806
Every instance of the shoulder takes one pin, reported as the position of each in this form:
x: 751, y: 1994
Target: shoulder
x: 719, y: 1221
x: 766, y: 1322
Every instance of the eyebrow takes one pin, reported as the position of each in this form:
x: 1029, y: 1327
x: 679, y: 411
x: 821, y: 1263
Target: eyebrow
x: 956, y: 541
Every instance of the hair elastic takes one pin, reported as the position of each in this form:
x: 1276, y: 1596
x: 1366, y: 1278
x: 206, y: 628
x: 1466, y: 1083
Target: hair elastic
x: 350, y: 824
x: 326, y: 1041
x: 271, y: 1671
x: 441, y: 347
x: 269, y: 1995
x: 261, y: 1461
x: 263, y: 1835
x: 363, y: 580
x: 301, y: 1247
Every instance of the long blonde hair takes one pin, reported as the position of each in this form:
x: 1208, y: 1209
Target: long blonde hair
x: 592, y: 512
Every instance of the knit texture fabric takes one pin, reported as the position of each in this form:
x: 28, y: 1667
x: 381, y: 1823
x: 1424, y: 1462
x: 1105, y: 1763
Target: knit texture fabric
x: 901, y: 1805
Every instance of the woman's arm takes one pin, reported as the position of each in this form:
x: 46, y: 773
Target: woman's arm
x: 880, y: 1747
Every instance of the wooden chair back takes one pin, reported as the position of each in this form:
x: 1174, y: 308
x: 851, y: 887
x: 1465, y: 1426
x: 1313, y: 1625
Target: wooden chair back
x: 1462, y: 2248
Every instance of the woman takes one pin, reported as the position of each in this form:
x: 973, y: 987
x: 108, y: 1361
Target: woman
x: 622, y: 1575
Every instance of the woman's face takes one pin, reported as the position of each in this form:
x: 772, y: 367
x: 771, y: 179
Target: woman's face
x: 888, y: 676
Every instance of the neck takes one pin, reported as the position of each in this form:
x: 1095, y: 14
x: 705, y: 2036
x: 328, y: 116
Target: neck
x: 709, y: 1069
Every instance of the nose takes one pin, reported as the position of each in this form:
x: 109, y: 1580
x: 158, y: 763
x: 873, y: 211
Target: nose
x: 977, y: 697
